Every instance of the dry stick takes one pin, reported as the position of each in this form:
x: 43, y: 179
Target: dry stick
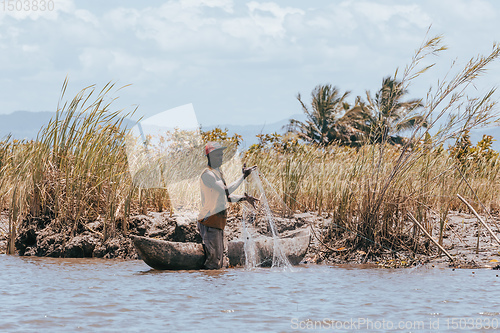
x: 457, y: 235
x: 478, y: 237
x: 479, y: 218
x: 321, y: 242
x: 429, y: 236
x: 474, y: 192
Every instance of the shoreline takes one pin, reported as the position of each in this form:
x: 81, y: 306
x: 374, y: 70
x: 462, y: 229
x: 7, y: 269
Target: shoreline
x: 460, y: 240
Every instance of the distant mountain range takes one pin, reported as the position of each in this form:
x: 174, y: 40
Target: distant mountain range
x: 23, y: 124
x: 27, y: 124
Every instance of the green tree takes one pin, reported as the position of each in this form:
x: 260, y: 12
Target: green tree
x: 330, y: 118
x: 470, y: 156
x: 388, y: 115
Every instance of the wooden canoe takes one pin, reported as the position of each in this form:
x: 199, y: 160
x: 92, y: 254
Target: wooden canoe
x: 165, y: 255
x: 161, y: 254
x: 294, y: 246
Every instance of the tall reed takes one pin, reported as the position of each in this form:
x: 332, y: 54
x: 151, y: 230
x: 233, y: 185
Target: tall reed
x: 75, y: 170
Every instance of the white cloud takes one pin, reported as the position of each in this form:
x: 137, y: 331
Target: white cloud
x: 272, y: 23
x: 95, y: 59
x: 183, y: 24
x: 13, y: 33
x: 381, y: 14
x: 87, y: 17
x: 468, y: 10
x: 226, y: 5
x: 173, y: 26
x: 160, y: 67
x: 122, y: 19
x: 30, y: 48
x: 222, y: 51
x: 186, y: 14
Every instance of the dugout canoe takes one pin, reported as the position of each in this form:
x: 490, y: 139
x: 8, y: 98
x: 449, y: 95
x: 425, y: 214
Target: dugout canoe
x: 165, y: 255
x: 294, y: 246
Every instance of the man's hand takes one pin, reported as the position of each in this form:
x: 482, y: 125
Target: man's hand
x: 247, y: 171
x: 251, y: 200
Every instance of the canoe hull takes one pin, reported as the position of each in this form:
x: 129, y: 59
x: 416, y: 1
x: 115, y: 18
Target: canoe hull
x: 161, y: 254
x: 165, y: 255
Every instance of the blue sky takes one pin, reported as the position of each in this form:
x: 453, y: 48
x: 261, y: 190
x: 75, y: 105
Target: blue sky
x: 238, y: 62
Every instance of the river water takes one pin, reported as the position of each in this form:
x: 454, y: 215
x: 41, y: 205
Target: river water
x: 89, y: 295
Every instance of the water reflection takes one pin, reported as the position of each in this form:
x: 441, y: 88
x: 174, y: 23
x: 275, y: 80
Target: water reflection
x: 204, y: 273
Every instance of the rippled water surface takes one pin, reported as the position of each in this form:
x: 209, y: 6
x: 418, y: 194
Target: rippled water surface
x: 65, y: 295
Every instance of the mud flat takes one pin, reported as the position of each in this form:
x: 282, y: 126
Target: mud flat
x: 468, y: 243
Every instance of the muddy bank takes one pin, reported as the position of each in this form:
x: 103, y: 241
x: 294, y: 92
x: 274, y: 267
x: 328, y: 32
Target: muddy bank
x: 4, y: 230
x: 468, y: 243
x: 38, y: 237
x: 47, y: 238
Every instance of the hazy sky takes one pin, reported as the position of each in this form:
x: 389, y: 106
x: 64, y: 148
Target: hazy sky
x: 237, y: 61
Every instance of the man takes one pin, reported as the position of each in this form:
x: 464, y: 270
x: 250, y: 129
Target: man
x: 214, y: 195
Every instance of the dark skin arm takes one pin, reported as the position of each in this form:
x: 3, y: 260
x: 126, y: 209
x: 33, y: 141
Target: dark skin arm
x: 247, y: 171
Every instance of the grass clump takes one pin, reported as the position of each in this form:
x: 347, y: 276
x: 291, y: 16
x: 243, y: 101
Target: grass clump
x: 74, y: 172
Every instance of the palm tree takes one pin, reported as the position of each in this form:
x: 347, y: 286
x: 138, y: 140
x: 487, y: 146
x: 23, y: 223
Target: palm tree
x: 330, y: 118
x: 389, y: 116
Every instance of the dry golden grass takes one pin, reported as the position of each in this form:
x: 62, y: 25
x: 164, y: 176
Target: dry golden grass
x: 76, y: 169
x: 346, y: 182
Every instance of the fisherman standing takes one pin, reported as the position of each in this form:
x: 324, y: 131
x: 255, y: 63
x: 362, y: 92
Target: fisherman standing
x: 214, y: 197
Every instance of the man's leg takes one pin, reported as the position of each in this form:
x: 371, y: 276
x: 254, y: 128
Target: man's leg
x: 213, y: 239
